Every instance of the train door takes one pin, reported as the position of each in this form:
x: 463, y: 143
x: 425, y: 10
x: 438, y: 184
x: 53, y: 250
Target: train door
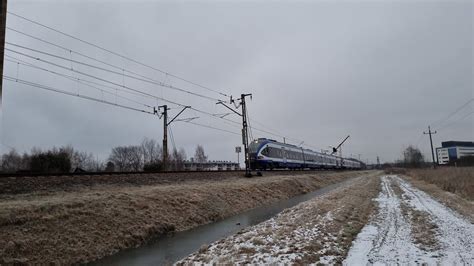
x: 283, y: 154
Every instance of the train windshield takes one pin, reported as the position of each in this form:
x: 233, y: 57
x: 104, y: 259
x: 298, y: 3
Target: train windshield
x: 253, y: 146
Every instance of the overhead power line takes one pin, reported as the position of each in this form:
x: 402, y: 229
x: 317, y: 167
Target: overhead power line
x: 211, y: 127
x: 28, y: 64
x: 91, y: 76
x: 48, y: 88
x: 78, y: 80
x: 439, y: 122
x: 455, y: 121
x: 121, y: 85
x: 110, y: 71
x: 117, y: 54
x: 117, y: 84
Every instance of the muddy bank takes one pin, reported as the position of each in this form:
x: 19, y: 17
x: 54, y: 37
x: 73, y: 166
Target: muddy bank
x: 95, y: 221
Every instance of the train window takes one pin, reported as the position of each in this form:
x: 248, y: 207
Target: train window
x: 274, y: 152
x: 265, y: 151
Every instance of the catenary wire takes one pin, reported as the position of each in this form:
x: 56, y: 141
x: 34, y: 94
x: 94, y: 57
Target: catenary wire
x: 75, y: 79
x: 117, y: 54
x: 211, y: 127
x: 121, y: 85
x: 48, y: 88
x: 147, y: 80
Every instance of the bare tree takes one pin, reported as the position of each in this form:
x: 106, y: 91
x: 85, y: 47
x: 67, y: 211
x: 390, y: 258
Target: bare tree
x: 151, y: 150
x: 83, y: 160
x: 177, y: 159
x: 12, y: 161
x: 412, y: 157
x: 99, y: 165
x: 119, y: 158
x: 135, y: 158
x: 127, y: 158
x: 199, y: 155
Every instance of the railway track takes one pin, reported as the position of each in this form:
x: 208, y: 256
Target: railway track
x: 31, y: 182
x: 32, y: 174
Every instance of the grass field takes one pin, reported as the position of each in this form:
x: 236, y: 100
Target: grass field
x: 459, y: 181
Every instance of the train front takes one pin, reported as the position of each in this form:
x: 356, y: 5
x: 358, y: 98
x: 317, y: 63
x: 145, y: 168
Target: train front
x: 254, y: 149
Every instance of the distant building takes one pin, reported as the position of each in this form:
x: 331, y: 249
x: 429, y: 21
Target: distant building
x: 453, y: 150
x: 211, y: 166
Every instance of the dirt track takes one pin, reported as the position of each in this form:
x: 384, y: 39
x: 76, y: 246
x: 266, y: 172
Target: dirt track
x: 391, y: 236
x: 90, y: 221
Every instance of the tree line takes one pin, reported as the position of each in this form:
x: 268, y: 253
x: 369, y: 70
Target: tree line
x: 147, y: 156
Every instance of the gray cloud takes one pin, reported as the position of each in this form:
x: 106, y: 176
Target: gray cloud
x: 379, y: 71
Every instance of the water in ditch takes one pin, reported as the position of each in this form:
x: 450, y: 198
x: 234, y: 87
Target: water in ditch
x: 168, y: 249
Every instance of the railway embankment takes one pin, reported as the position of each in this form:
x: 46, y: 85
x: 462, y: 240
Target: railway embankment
x: 79, y: 223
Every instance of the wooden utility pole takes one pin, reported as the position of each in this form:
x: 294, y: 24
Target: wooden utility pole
x: 431, y: 143
x: 3, y: 24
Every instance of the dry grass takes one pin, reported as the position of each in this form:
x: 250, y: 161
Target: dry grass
x: 454, y: 187
x: 458, y: 180
x: 96, y: 220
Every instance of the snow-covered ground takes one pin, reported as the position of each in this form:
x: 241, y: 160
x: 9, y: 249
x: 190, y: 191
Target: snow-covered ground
x: 281, y: 239
x: 388, y: 239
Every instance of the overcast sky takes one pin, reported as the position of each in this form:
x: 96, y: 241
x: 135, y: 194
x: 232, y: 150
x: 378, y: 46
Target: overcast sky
x: 381, y: 71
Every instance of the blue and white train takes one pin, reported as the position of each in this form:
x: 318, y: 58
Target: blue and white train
x: 270, y: 154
